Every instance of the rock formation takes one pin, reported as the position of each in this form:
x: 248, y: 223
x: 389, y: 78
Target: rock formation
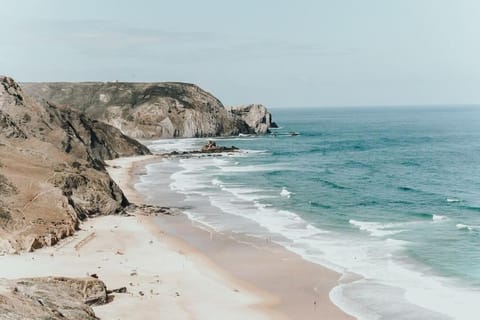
x: 55, y: 298
x: 155, y: 110
x: 256, y: 116
x: 211, y: 147
x: 52, y: 170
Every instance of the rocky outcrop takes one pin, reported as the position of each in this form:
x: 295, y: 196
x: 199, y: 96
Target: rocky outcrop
x: 211, y: 147
x: 256, y: 116
x: 51, y: 298
x: 9, y: 129
x: 95, y: 140
x: 52, y: 166
x: 154, y: 110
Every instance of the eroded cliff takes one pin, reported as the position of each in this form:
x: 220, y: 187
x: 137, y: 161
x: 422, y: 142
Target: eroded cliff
x: 155, y: 110
x: 52, y: 170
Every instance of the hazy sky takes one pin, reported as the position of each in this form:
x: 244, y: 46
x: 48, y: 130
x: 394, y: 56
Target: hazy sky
x: 276, y: 52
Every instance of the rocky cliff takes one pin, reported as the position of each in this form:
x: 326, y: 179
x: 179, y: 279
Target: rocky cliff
x: 155, y: 110
x: 52, y: 298
x: 52, y: 170
x: 256, y: 116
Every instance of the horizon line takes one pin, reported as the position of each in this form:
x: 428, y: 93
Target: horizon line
x: 433, y: 105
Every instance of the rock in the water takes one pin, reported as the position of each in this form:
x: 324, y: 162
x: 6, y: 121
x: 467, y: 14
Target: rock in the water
x: 256, y: 116
x: 211, y: 147
x: 119, y: 290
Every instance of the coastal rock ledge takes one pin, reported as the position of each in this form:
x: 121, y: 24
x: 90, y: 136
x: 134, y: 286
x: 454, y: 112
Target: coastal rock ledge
x: 155, y: 110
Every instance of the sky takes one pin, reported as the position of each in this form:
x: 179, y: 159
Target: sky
x: 301, y: 53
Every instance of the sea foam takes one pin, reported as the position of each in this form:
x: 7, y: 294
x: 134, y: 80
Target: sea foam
x: 285, y: 193
x: 437, y: 217
x: 377, y: 229
x: 467, y: 227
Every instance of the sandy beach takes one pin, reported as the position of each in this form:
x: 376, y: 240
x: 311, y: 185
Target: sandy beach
x: 174, y: 269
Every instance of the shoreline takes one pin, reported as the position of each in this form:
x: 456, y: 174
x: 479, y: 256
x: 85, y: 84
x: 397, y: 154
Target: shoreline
x: 303, y: 292
x: 173, y: 268
x: 245, y: 300
x: 163, y: 279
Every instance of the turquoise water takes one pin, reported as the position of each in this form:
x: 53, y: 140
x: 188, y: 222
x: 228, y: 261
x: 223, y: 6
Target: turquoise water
x: 391, y: 194
x: 385, y: 166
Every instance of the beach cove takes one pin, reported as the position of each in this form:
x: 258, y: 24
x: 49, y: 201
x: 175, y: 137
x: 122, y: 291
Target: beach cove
x: 176, y: 269
x: 323, y: 224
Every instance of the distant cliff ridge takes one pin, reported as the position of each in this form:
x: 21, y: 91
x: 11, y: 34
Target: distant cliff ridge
x: 155, y: 110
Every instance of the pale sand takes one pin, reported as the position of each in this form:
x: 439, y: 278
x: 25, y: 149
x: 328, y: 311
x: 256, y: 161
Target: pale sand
x: 190, y: 275
x: 120, y: 248
x: 287, y: 284
x: 122, y: 251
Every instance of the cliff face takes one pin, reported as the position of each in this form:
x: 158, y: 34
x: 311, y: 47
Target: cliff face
x: 52, y: 170
x: 152, y: 110
x: 256, y: 116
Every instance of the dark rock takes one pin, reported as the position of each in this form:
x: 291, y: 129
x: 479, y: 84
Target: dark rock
x: 119, y: 290
x: 211, y: 147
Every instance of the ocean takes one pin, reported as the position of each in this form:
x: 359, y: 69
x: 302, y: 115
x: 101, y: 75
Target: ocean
x: 389, y: 197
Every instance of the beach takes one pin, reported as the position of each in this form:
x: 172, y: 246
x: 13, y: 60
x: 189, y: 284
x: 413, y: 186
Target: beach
x: 176, y: 269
